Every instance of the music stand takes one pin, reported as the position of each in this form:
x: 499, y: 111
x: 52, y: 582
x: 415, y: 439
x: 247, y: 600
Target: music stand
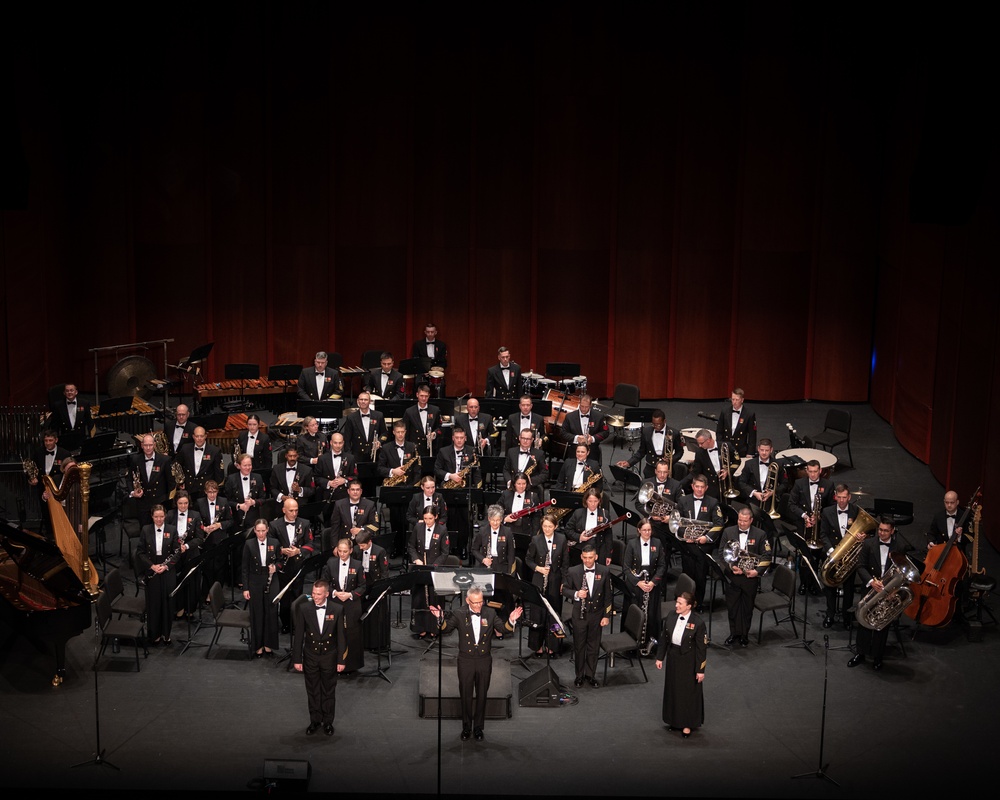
x: 718, y: 575
x: 497, y: 407
x: 562, y: 369
x: 568, y: 500
x: 332, y: 410
x: 627, y: 478
x: 418, y: 367
x: 185, y: 365
x: 212, y: 422
x: 114, y: 405
x: 288, y: 373
x: 241, y: 373
x: 392, y: 409
x: 492, y: 466
x: 641, y: 415
x: 801, y: 556
x: 378, y: 590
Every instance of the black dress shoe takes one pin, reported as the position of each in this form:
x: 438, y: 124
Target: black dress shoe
x: 313, y: 727
x: 802, y: 588
x: 328, y: 729
x: 828, y: 622
x: 594, y: 682
x: 686, y: 734
x: 858, y: 659
x: 478, y: 733
x: 744, y: 641
x: 578, y: 682
x: 465, y: 735
x: 877, y: 664
x: 285, y: 629
x: 731, y: 640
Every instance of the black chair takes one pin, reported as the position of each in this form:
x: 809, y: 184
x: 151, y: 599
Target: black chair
x: 901, y: 511
x: 223, y: 617
x: 780, y: 597
x: 626, y: 394
x: 113, y: 630
x: 836, y: 431
x: 625, y: 642
x: 120, y: 602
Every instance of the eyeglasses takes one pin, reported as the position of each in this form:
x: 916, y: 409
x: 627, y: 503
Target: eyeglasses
x: 475, y: 602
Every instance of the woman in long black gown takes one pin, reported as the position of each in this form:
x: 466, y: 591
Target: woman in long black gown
x: 684, y: 648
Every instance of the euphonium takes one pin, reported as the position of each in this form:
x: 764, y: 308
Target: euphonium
x: 736, y: 556
x: 725, y: 450
x: 655, y: 505
x: 688, y: 530
x: 878, y: 609
x: 160, y: 444
x: 843, y: 559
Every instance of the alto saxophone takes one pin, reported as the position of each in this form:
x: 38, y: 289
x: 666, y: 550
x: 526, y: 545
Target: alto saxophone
x: 136, y: 482
x: 595, y: 476
x: 460, y: 476
x: 405, y: 466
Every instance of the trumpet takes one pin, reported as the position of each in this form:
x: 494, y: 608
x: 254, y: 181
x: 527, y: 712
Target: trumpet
x: 655, y: 505
x: 376, y: 444
x: 725, y: 453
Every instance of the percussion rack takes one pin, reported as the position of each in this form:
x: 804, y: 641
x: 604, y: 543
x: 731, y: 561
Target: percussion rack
x: 117, y: 348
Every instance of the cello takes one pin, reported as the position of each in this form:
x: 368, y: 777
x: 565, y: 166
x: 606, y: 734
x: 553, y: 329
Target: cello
x: 945, y: 566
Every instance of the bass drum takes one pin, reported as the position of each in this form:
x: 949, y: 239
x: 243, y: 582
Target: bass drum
x: 130, y: 377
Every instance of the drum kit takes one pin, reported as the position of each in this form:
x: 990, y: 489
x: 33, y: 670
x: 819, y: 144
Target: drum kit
x: 535, y: 385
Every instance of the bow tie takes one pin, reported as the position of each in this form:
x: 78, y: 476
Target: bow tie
x: 519, y: 497
x: 505, y: 369
x: 588, y: 570
x: 714, y: 450
x: 200, y: 449
x: 580, y: 464
x: 212, y: 503
x: 814, y: 483
x: 149, y: 459
x: 50, y: 452
x: 318, y: 608
x: 645, y: 544
x: 320, y: 374
x: 523, y: 417
x: 951, y: 516
x: 71, y: 402
x: 365, y: 416
x: 681, y: 619
x: 251, y: 436
x: 159, y: 530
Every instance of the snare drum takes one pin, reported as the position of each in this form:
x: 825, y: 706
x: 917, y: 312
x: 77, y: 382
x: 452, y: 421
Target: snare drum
x: 569, y: 385
x: 529, y: 382
x: 436, y: 376
x: 408, y: 386
x: 633, y: 431
x: 581, y: 384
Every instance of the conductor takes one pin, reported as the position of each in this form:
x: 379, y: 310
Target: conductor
x: 319, y: 648
x: 476, y: 625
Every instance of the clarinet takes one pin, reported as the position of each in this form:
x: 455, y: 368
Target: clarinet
x: 548, y: 563
x: 583, y: 602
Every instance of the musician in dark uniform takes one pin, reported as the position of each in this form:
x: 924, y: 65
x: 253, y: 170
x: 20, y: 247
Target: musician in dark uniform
x: 257, y: 444
x: 333, y: 471
x: 375, y: 565
x: 588, y: 587
x: 245, y: 492
x: 503, y: 379
x: 547, y: 559
x: 295, y: 545
x: 201, y: 462
x: 836, y: 520
x: 352, y: 515
x: 260, y: 562
x: 364, y: 430
x: 155, y: 557
x: 523, y: 418
x: 187, y: 523
x: 684, y: 650
x: 669, y: 490
x: 179, y: 431
x: 479, y: 430
x: 477, y: 625
x: 514, y: 501
x: 591, y: 514
x: 293, y: 478
x: 652, y: 442
x: 947, y: 519
x: 737, y: 424
x: 875, y: 560
x: 427, y: 496
x: 451, y: 462
x: 698, y: 506
x: 152, y: 470
x: 385, y: 380
x: 431, y: 347
x: 644, y: 567
x: 808, y: 493
x: 319, y: 647
x: 389, y: 463
x: 347, y: 586
x: 216, y: 523
x: 744, y: 583
x: 423, y: 422
x: 524, y: 457
x: 428, y: 544
x: 710, y: 460
x: 70, y: 415
x: 493, y: 547
x: 577, y: 471
x: 759, y: 484
x: 586, y: 425
x: 47, y: 460
x: 320, y: 382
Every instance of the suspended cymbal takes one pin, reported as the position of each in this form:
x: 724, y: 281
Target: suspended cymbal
x: 859, y: 493
x: 615, y: 421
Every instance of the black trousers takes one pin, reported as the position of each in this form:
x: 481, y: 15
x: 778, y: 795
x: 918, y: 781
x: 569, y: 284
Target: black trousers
x: 586, y: 641
x: 473, y: 685
x: 320, y: 672
x: 740, y: 594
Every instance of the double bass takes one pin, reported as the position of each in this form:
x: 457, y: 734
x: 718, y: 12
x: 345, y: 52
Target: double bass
x: 934, y: 594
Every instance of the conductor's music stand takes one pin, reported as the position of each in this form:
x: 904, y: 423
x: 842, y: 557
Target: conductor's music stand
x: 241, y: 373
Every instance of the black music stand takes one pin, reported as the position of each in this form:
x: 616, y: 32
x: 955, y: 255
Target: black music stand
x: 189, y: 365
x: 332, y: 410
x: 497, y: 407
x: 641, y: 415
x: 562, y: 369
x: 567, y: 500
x: 114, y: 405
x: 211, y: 422
x: 627, y: 478
x: 802, y: 557
x: 491, y: 466
x: 392, y: 409
x: 241, y: 373
x: 286, y: 372
x: 418, y: 367
x: 468, y: 499
x: 715, y: 573
x: 380, y: 590
x: 314, y: 513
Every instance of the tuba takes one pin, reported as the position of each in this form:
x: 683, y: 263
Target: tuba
x: 655, y: 505
x: 878, y: 609
x: 843, y: 559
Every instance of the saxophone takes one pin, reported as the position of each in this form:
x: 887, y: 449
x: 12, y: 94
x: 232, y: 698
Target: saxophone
x: 395, y: 481
x: 457, y: 481
x: 878, y: 609
x: 843, y: 559
x: 559, y: 513
x: 136, y: 482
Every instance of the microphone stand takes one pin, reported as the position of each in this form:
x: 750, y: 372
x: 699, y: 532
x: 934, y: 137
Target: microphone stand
x: 98, y: 760
x: 804, y: 642
x: 820, y: 771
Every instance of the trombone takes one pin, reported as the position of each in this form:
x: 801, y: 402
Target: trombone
x: 725, y: 449
x: 771, y: 485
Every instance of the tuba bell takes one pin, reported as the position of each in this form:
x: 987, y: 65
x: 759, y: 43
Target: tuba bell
x: 878, y: 609
x: 655, y: 505
x: 843, y: 559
